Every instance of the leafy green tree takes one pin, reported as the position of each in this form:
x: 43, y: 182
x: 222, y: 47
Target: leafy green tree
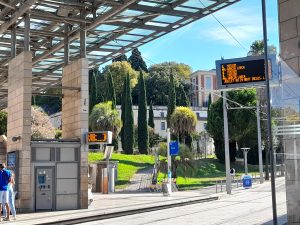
x: 120, y: 58
x: 111, y: 90
x: 151, y: 116
x: 3, y: 122
x: 158, y: 79
x: 143, y: 136
x: 104, y: 118
x: 119, y: 70
x: 136, y: 61
x: 128, y: 124
x: 241, y: 124
x: 183, y: 122
x: 181, y: 70
x: 172, y: 99
x: 157, y: 85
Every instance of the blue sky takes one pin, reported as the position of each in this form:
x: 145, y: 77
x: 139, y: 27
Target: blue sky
x: 201, y: 43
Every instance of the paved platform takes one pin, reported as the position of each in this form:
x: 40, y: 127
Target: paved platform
x: 121, y: 202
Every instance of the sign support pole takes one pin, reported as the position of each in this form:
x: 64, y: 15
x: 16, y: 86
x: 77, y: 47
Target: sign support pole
x: 260, y: 159
x: 226, y: 142
x: 270, y: 146
x: 169, y: 185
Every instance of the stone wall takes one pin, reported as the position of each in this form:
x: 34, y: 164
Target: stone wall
x: 75, y: 105
x: 19, y: 122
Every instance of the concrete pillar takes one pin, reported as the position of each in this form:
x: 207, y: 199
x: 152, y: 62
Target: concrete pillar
x: 289, y: 24
x: 292, y: 179
x: 75, y: 105
x: 19, y: 123
x: 289, y: 29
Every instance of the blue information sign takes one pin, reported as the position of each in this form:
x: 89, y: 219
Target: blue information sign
x: 174, y: 148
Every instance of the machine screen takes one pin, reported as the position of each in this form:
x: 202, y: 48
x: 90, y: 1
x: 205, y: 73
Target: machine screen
x: 42, y: 179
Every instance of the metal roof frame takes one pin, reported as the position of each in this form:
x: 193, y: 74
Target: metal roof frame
x: 112, y: 27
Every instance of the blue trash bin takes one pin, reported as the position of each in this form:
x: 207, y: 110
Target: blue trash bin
x: 247, y: 181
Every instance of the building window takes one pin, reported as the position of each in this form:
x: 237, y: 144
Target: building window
x: 205, y: 102
x: 162, y: 125
x: 208, y: 83
x: 162, y: 114
x: 204, y: 125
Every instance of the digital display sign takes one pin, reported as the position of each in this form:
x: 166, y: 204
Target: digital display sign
x: 103, y: 137
x: 242, y: 72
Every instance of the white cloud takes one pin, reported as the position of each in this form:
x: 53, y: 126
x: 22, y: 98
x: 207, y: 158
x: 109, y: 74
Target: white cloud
x: 244, y: 24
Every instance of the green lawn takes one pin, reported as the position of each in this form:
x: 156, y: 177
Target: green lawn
x: 205, y: 172
x: 128, y: 165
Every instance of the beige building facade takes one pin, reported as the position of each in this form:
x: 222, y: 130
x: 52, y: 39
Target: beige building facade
x: 204, y: 82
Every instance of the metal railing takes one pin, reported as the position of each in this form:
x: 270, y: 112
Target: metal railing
x: 238, y: 182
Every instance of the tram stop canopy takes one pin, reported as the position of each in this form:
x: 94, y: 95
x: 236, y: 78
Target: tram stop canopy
x: 100, y: 30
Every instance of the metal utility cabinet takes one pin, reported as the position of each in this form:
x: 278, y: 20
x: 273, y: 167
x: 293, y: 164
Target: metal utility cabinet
x: 55, y: 166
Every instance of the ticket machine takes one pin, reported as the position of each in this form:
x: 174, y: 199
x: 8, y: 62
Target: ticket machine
x: 44, y: 188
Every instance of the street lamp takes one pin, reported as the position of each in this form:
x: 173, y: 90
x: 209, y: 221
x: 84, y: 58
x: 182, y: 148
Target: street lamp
x: 246, y: 150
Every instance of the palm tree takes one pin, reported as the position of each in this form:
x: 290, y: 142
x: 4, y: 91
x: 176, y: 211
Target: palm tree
x: 257, y: 48
x: 183, y: 122
x: 104, y: 118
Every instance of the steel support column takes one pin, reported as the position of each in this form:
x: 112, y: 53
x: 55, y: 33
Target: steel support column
x: 82, y: 35
x: 66, y: 45
x: 13, y: 42
x: 27, y: 33
x: 269, y: 122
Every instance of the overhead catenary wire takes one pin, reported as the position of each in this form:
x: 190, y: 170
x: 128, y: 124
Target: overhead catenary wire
x: 225, y: 28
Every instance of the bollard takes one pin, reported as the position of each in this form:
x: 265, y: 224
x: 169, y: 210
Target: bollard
x: 216, y: 186
x: 221, y: 186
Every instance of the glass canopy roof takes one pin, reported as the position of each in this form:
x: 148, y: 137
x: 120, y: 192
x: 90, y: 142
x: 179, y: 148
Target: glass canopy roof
x: 113, y: 27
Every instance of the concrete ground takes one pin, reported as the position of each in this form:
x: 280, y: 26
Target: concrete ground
x: 243, y: 207
x: 136, y: 202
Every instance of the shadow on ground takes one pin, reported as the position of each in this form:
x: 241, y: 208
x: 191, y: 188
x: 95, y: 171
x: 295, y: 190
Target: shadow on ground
x: 282, y: 220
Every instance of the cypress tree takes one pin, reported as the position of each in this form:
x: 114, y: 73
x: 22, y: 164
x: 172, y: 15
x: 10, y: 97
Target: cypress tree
x: 143, y: 136
x: 128, y: 125
x: 183, y: 99
x: 136, y: 61
x: 123, y: 106
x: 111, y: 90
x: 120, y: 58
x: 93, y: 92
x: 172, y: 99
x: 209, y: 101
x: 151, y: 116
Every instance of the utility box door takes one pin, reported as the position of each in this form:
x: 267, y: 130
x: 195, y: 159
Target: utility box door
x: 44, y: 188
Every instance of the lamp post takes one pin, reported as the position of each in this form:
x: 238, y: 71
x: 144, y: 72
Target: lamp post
x: 246, y: 150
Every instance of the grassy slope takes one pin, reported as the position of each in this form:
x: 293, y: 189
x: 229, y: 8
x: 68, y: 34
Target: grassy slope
x: 205, y: 172
x: 128, y: 165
